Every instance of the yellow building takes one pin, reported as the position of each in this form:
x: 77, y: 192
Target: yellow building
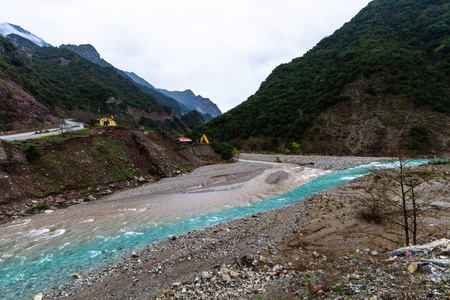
x: 107, y: 121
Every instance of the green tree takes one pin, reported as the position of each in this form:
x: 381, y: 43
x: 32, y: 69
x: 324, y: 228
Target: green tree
x: 225, y: 150
x: 296, y: 148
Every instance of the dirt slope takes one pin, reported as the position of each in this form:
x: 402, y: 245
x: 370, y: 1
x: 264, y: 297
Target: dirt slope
x: 86, y: 165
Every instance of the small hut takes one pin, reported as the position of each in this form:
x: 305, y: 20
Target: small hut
x: 183, y: 140
x: 106, y: 121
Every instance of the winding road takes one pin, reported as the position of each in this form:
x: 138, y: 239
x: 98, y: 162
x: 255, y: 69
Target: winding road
x: 70, y: 126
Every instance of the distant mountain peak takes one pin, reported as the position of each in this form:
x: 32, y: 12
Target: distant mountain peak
x: 194, y: 102
x: 7, y: 29
x: 87, y: 51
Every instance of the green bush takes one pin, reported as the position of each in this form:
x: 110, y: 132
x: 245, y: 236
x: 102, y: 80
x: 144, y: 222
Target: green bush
x: 296, y: 148
x: 225, y: 150
x: 32, y: 154
x: 40, y: 205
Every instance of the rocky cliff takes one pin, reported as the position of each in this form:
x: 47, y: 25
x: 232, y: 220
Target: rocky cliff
x: 88, y: 52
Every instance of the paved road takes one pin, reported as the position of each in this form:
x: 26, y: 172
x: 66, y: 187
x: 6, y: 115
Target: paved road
x: 70, y: 126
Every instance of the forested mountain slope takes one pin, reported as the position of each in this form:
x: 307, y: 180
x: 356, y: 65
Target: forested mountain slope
x: 70, y: 86
x: 380, y: 81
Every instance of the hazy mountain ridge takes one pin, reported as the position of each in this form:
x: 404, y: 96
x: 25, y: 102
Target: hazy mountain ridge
x: 388, y: 72
x: 21, y: 42
x: 192, y: 101
x: 187, y: 100
x: 177, y: 108
x: 180, y: 102
x: 7, y: 29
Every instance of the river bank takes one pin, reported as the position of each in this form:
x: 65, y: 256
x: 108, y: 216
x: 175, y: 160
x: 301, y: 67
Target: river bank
x: 188, y: 256
x: 88, y: 236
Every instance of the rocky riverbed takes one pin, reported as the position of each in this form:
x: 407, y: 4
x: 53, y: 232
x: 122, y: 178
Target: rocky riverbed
x: 318, y: 248
x: 323, y: 162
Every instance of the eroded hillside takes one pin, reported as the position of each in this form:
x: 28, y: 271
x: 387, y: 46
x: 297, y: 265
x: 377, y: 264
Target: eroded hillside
x: 94, y: 161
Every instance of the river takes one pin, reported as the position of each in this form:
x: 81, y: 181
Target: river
x: 39, y: 252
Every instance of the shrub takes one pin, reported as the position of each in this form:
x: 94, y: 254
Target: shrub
x: 224, y: 149
x: 40, y: 206
x: 296, y: 148
x: 32, y: 154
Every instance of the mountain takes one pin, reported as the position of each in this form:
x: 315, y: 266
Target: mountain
x: 379, y: 82
x: 179, y: 108
x: 88, y: 52
x: 11, y: 32
x: 39, y: 85
x: 191, y: 101
x: 21, y: 42
x: 71, y: 86
x: 187, y: 100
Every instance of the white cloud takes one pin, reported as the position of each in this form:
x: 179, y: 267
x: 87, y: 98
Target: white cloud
x: 220, y: 49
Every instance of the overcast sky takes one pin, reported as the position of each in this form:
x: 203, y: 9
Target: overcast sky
x: 221, y: 50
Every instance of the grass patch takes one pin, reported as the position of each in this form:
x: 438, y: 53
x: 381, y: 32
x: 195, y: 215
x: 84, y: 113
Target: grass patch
x: 40, y: 206
x: 58, y: 138
x: 50, y: 158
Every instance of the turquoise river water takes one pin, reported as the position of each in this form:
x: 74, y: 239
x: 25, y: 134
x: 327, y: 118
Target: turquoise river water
x: 40, y: 264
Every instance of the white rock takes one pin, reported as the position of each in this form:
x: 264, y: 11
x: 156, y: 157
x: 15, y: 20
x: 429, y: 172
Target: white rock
x: 206, y: 275
x: 38, y: 296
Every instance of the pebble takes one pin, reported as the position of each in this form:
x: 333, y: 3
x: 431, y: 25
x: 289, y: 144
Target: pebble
x: 38, y: 296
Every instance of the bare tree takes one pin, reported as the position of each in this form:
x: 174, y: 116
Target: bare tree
x: 373, y: 201
x: 394, y: 196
